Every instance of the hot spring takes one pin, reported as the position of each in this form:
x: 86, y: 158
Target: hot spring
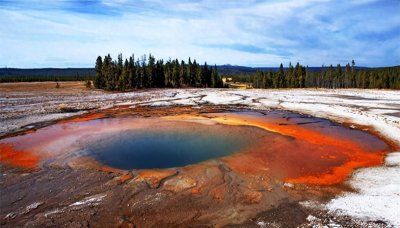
x: 163, y: 149
x: 292, y: 147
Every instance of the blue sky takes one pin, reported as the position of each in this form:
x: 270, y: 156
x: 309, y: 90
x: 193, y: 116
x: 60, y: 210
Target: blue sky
x: 72, y: 33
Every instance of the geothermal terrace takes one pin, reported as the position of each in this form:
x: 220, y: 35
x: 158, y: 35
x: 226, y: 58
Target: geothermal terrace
x: 203, y: 157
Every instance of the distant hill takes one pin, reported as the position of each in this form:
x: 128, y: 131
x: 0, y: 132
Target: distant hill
x: 77, y: 74
x: 45, y: 74
x: 46, y: 71
x: 235, y: 70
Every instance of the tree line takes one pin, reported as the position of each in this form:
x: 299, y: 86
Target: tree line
x: 46, y: 74
x: 125, y: 74
x: 328, y: 77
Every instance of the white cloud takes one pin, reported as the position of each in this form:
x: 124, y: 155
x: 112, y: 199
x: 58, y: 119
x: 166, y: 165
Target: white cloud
x: 313, y: 32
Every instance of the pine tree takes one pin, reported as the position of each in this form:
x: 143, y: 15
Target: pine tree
x: 99, y: 80
x: 347, y: 76
x: 132, y: 72
x: 151, y: 71
x: 182, y: 73
x: 281, y: 78
x: 143, y: 77
x: 123, y: 81
x: 189, y: 73
x: 194, y: 73
x: 176, y: 73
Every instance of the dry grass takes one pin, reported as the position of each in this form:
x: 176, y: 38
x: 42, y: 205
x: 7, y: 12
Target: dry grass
x: 74, y: 86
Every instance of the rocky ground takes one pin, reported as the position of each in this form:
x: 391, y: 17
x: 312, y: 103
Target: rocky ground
x: 82, y: 196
